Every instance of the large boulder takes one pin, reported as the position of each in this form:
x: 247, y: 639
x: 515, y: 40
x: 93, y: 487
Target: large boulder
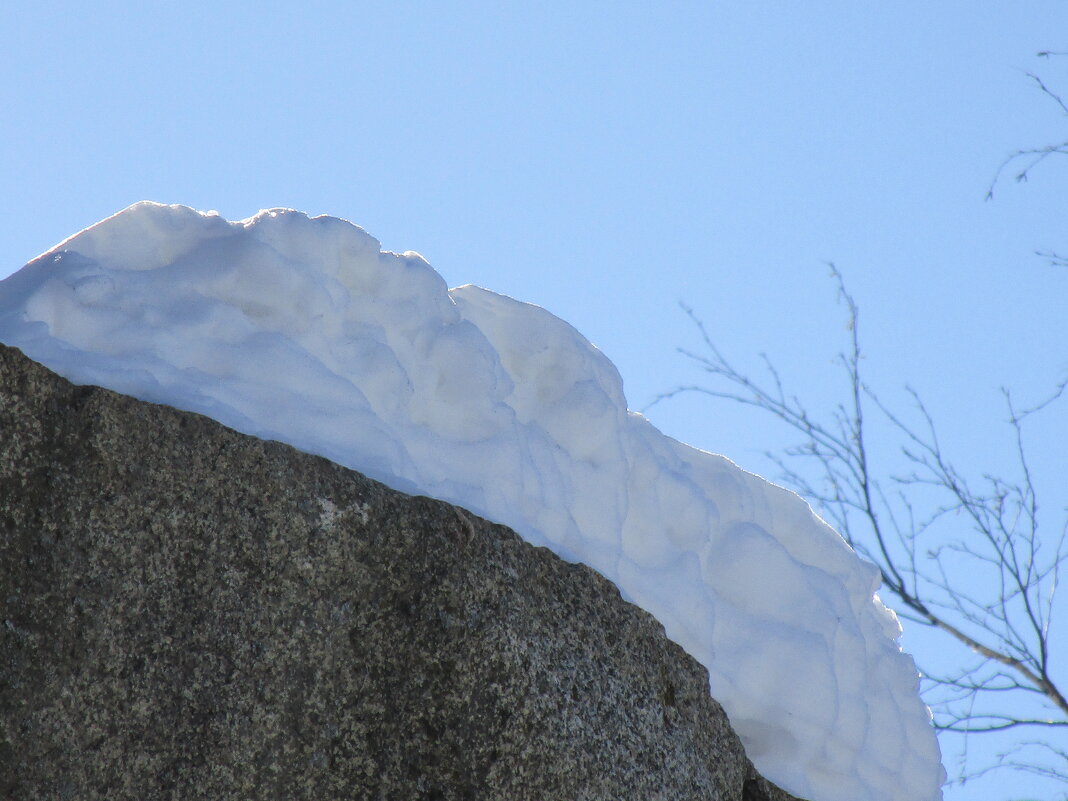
x: 187, y: 612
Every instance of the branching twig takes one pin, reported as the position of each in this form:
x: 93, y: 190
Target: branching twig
x: 923, y: 556
x: 1035, y: 155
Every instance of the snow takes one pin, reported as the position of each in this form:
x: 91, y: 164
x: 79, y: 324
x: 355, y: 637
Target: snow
x: 300, y: 329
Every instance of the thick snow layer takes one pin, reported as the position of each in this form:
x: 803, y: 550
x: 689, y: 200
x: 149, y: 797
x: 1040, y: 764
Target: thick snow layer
x: 301, y: 330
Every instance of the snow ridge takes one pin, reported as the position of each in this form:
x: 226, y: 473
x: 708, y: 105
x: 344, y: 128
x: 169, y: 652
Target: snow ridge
x: 300, y: 329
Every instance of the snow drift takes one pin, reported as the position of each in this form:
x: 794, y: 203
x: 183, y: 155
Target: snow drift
x: 301, y: 330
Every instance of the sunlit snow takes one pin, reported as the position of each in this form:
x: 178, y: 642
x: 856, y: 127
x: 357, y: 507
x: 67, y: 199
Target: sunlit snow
x: 301, y: 330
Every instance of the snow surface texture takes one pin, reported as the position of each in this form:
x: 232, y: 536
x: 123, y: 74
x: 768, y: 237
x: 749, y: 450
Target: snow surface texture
x: 301, y: 330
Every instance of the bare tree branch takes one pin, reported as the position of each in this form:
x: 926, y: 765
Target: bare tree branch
x: 1032, y: 157
x: 1055, y: 259
x: 938, y: 525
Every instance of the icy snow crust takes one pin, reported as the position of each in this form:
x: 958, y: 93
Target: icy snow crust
x: 301, y: 330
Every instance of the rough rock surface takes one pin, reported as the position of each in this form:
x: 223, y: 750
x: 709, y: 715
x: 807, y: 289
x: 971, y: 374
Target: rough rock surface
x: 190, y: 613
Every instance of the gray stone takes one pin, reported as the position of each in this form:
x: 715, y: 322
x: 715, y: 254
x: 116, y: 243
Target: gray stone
x: 190, y: 613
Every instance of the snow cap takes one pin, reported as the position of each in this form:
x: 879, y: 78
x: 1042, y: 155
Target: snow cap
x: 302, y: 330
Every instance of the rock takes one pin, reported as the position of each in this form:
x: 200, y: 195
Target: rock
x: 187, y: 613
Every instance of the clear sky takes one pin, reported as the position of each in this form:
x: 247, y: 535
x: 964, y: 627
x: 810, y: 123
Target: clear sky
x: 605, y: 161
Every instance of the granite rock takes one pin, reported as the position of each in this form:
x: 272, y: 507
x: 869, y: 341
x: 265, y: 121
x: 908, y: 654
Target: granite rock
x: 190, y: 613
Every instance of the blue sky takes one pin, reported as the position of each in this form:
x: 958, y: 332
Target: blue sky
x: 606, y: 162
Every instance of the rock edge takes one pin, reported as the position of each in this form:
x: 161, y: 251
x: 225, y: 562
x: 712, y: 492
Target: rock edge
x: 191, y: 613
